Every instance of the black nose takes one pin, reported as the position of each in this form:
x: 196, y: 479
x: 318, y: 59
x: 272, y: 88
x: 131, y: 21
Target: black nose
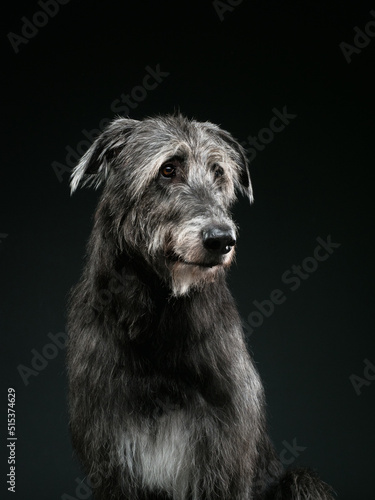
x: 218, y: 240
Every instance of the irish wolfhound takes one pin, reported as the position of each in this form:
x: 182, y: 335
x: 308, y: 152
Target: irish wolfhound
x: 165, y: 402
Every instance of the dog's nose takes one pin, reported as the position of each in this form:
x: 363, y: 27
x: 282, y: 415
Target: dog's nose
x: 218, y: 241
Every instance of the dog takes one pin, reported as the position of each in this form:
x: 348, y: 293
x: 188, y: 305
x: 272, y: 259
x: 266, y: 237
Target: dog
x: 165, y: 401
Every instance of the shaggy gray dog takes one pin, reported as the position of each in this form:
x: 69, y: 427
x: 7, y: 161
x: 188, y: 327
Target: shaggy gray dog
x: 165, y: 402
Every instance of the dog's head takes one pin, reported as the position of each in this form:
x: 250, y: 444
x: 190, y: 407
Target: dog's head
x: 169, y: 186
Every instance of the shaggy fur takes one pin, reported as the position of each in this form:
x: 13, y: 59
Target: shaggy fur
x: 165, y: 402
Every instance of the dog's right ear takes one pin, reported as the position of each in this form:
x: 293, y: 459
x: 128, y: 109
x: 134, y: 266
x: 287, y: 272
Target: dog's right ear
x: 241, y: 159
x: 94, y: 166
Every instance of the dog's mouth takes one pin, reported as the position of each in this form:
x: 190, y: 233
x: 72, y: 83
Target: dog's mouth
x: 172, y: 257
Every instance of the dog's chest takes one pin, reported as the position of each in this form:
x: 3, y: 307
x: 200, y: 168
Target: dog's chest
x: 160, y: 455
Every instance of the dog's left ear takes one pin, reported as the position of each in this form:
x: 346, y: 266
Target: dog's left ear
x: 94, y: 166
x: 240, y: 158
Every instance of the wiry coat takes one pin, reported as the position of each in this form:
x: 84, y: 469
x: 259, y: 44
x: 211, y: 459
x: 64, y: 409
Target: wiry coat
x: 165, y: 401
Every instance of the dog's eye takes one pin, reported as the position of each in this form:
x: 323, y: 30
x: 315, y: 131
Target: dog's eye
x: 218, y: 171
x: 168, y: 170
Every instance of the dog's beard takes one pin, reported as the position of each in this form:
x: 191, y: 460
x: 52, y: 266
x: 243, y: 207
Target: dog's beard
x: 195, y: 271
x: 182, y: 276
x: 185, y: 277
x: 191, y: 267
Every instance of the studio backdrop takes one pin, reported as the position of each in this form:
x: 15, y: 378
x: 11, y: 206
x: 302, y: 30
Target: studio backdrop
x: 294, y: 84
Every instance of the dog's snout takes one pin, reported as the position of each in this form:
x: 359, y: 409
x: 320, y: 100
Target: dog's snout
x: 219, y: 241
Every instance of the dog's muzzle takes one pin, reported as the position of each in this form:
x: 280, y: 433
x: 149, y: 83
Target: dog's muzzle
x: 211, y: 251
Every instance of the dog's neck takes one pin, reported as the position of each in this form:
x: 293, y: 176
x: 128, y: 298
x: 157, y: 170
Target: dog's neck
x: 144, y: 277
x: 132, y: 285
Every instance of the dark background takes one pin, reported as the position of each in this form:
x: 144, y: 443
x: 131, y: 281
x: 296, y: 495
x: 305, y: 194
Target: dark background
x: 312, y: 180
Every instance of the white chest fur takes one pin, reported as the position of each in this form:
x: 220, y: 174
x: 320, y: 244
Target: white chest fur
x: 161, y: 455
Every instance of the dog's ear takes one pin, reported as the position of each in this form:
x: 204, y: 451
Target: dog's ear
x: 238, y: 153
x: 94, y: 166
x: 240, y: 158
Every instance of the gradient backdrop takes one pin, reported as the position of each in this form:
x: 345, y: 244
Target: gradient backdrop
x: 68, y: 68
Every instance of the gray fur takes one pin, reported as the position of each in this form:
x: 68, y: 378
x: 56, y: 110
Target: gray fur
x: 165, y: 401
